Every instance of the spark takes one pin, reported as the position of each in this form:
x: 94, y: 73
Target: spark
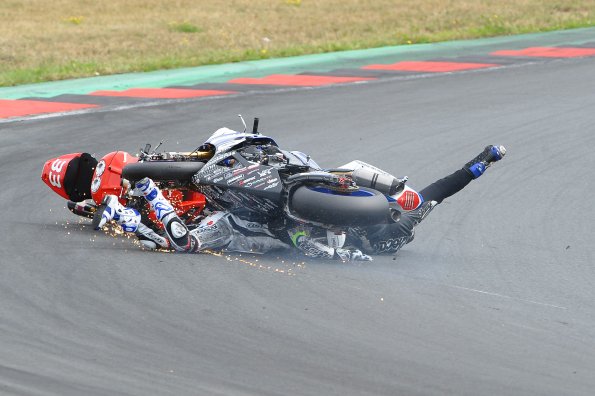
x: 252, y: 264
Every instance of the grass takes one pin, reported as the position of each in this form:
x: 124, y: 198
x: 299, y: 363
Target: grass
x: 183, y: 27
x: 49, y: 40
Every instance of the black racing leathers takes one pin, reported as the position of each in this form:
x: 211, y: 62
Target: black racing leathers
x: 389, y: 238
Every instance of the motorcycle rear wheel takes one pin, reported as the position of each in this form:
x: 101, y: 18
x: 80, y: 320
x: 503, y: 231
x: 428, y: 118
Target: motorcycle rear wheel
x: 323, y: 205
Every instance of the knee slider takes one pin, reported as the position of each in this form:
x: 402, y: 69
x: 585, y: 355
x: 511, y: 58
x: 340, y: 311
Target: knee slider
x: 178, y: 233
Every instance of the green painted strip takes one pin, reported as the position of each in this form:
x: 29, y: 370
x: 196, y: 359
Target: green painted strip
x: 311, y: 63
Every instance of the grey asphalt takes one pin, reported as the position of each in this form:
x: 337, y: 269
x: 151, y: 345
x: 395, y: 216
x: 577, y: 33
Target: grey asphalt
x: 494, y: 297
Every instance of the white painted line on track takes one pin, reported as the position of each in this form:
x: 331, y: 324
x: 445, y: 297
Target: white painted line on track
x: 502, y: 296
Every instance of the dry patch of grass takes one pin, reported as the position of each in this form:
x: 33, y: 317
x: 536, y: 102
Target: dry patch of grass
x: 44, y: 40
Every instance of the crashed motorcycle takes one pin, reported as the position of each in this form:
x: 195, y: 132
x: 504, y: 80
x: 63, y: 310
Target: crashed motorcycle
x: 247, y: 174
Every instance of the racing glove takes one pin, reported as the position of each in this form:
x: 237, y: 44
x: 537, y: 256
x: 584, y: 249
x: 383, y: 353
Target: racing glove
x: 112, y: 209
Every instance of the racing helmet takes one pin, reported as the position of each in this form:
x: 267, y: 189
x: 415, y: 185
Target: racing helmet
x: 70, y: 175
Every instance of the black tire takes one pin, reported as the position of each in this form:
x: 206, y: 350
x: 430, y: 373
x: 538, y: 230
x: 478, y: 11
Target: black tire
x: 162, y: 170
x: 319, y: 204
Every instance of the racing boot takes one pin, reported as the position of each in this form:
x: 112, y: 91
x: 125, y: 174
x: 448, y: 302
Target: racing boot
x: 150, y: 239
x: 112, y: 209
x: 177, y: 233
x: 478, y: 165
x: 154, y: 197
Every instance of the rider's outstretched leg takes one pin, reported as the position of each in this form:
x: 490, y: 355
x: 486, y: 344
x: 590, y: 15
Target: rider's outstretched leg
x: 455, y: 182
x: 389, y: 238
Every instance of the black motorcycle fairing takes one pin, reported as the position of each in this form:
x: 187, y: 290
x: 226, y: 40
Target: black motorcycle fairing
x: 233, y: 171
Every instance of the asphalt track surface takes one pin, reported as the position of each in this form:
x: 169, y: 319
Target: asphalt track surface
x: 494, y: 296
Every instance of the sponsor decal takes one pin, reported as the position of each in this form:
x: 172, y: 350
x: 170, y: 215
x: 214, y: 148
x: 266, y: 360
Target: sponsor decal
x: 265, y: 172
x: 390, y: 245
x: 247, y: 180
x: 235, y: 179
x: 271, y: 186
x: 242, y: 170
x: 218, y: 171
x: 217, y: 179
x: 155, y: 238
x: 254, y: 169
x: 409, y: 200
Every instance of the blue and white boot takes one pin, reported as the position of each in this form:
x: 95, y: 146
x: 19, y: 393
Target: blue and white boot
x: 179, y: 237
x: 478, y: 165
x: 111, y: 209
x: 154, y: 197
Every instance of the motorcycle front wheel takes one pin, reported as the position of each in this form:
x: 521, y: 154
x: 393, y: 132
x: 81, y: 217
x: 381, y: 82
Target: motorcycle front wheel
x: 162, y: 170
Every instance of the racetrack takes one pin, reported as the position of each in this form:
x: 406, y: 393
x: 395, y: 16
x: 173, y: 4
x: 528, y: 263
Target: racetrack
x: 495, y: 295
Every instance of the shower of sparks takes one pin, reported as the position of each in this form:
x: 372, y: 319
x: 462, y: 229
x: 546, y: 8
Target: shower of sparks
x: 114, y: 230
x: 253, y: 263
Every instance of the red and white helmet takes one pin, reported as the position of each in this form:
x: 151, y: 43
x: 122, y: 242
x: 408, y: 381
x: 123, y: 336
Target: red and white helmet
x: 70, y: 175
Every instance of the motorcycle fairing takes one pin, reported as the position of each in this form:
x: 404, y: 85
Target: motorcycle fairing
x: 225, y: 139
x: 107, y: 178
x: 257, y: 179
x: 301, y: 159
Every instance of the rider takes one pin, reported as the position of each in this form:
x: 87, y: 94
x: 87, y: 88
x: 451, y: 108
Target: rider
x: 389, y: 238
x: 224, y: 230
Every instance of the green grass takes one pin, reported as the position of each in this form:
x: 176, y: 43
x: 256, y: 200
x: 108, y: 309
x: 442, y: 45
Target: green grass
x: 44, y: 41
x: 184, y: 27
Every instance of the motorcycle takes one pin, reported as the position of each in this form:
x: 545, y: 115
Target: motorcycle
x: 244, y: 173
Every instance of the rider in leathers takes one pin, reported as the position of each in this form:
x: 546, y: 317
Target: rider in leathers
x: 227, y: 231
